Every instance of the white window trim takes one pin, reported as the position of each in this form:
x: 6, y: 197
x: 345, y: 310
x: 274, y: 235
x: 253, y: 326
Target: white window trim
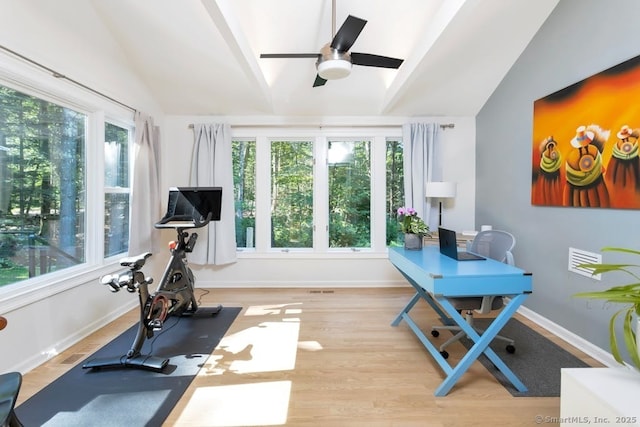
x: 24, y: 78
x: 129, y: 125
x: 320, y: 137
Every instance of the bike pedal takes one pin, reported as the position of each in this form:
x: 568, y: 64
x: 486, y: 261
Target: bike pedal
x: 156, y: 324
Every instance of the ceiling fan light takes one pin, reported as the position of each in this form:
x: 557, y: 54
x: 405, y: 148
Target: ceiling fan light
x: 332, y: 69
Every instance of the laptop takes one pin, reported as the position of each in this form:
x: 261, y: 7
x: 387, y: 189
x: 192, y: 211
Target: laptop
x: 187, y: 204
x: 449, y: 247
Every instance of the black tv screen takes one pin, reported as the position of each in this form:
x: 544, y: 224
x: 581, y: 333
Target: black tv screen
x: 205, y: 201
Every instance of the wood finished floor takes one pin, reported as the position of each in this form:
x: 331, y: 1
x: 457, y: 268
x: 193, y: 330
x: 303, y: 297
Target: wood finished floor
x: 326, y: 357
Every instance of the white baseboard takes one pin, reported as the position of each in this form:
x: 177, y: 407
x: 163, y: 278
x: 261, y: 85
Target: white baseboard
x: 307, y: 284
x: 42, y: 357
x: 578, y: 342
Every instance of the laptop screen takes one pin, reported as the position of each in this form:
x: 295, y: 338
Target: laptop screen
x: 448, y: 243
x: 449, y: 247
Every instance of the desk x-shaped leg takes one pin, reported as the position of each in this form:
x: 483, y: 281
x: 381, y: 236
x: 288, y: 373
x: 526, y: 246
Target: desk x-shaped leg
x: 481, y: 342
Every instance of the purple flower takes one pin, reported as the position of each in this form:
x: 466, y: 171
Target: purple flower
x: 410, y: 222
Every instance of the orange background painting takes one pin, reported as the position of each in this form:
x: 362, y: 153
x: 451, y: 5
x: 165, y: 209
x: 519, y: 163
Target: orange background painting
x: 585, y: 142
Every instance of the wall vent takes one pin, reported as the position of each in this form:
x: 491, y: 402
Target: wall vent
x: 578, y: 256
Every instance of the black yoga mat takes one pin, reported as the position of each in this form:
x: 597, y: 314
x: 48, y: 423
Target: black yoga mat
x: 126, y: 396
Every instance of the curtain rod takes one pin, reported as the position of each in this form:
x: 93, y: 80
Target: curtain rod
x: 62, y: 76
x: 442, y: 126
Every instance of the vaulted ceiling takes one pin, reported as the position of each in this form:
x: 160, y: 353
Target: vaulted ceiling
x: 203, y: 56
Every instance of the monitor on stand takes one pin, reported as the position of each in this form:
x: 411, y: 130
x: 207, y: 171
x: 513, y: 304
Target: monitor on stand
x: 207, y: 202
x: 191, y: 207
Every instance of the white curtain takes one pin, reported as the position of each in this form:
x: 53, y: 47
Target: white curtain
x: 212, y: 166
x: 421, y: 164
x: 145, y: 200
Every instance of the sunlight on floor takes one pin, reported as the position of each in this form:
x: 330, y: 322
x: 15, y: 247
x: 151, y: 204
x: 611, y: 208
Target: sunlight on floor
x: 310, y: 345
x: 272, y: 309
x: 269, y: 346
x: 257, y: 404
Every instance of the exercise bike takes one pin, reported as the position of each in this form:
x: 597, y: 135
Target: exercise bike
x: 174, y: 295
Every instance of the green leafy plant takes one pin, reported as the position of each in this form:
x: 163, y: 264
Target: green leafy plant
x: 410, y: 222
x: 628, y: 294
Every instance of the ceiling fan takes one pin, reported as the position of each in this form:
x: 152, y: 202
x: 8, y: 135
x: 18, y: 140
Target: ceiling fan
x: 334, y: 60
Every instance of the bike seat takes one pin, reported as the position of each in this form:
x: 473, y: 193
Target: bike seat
x: 135, y: 262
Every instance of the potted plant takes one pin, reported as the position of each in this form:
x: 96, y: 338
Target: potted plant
x: 413, y: 227
x: 628, y: 294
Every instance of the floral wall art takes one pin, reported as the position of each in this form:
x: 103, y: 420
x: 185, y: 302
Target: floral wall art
x: 585, y: 142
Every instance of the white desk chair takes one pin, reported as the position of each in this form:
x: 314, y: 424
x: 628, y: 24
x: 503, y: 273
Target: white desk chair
x: 495, y: 244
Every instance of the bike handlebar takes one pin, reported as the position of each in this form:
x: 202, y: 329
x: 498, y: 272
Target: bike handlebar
x: 198, y: 224
x: 129, y: 278
x: 117, y: 280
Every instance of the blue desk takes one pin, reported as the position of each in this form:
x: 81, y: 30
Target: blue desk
x: 436, y: 277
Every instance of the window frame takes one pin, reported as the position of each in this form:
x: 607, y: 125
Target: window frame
x: 129, y: 126
x: 314, y: 206
x: 18, y: 77
x: 251, y: 142
x: 370, y: 142
x: 377, y: 135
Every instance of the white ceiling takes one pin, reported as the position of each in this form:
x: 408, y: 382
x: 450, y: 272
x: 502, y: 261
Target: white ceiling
x: 201, y: 57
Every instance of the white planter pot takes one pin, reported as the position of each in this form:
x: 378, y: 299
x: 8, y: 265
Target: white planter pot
x: 412, y: 242
x: 638, y: 335
x: 632, y: 366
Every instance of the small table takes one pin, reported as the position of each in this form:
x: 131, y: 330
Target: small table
x: 436, y: 277
x: 599, y: 397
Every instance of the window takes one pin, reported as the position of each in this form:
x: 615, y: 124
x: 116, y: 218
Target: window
x: 311, y: 192
x: 395, y: 190
x: 50, y: 200
x: 244, y: 183
x: 349, y: 168
x: 116, y: 189
x: 42, y: 186
x: 292, y: 194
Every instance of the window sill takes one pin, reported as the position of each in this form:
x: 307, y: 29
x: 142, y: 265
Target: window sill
x: 301, y: 254
x: 18, y: 295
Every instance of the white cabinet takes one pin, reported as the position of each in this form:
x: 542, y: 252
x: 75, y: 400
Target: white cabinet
x: 600, y: 397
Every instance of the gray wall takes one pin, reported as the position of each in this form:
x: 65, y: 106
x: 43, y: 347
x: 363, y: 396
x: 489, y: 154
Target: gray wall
x: 579, y: 39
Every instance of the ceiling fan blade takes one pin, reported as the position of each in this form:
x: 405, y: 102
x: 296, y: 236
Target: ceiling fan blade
x: 348, y: 33
x: 289, y: 55
x: 370, y: 60
x: 319, y: 81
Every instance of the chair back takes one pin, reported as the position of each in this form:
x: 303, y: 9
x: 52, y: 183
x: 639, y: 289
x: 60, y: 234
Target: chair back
x: 494, y: 244
x: 9, y: 388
